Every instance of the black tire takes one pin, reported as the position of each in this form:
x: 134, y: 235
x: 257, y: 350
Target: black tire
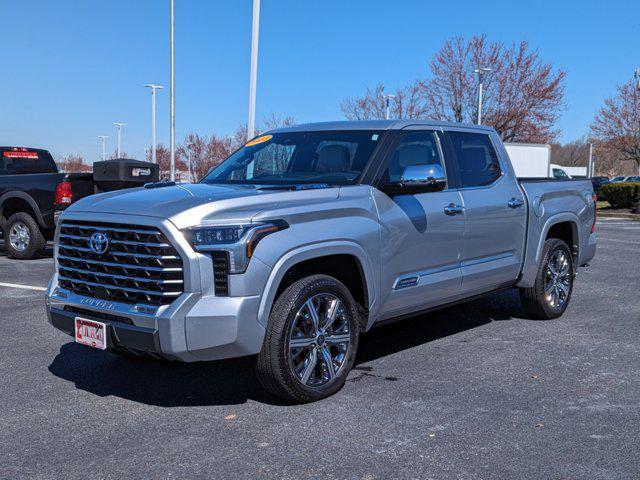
x: 535, y: 301
x: 274, y: 367
x: 36, y: 241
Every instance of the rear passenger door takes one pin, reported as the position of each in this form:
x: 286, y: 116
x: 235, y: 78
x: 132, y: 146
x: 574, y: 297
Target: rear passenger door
x: 495, y: 213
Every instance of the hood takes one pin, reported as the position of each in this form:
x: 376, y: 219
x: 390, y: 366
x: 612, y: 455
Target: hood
x: 193, y: 204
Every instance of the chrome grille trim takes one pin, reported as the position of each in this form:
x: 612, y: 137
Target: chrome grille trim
x: 123, y: 242
x: 134, y: 290
x: 121, y: 277
x: 140, y: 266
x: 124, y: 254
x: 153, y: 269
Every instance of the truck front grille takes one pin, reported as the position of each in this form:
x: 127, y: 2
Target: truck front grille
x: 139, y: 265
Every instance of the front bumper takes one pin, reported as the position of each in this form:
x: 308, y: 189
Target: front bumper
x: 120, y: 335
x: 193, y: 328
x: 196, y: 326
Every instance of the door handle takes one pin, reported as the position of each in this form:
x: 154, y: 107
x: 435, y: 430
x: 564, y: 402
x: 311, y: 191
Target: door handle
x: 515, y: 202
x: 453, y: 209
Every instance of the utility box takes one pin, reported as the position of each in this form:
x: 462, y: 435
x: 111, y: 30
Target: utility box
x: 122, y: 173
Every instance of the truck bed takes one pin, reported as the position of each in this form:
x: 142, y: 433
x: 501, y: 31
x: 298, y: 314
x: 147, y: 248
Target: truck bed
x: 550, y: 201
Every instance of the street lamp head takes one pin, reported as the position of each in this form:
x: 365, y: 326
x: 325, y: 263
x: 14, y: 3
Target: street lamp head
x: 481, y: 71
x: 153, y: 86
x: 119, y: 124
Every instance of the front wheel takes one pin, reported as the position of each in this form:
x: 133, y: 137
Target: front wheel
x: 311, y: 340
x: 551, y: 292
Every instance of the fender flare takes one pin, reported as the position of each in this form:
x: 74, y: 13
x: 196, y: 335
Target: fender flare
x: 27, y: 198
x: 572, y: 218
x: 532, y: 260
x: 308, y: 252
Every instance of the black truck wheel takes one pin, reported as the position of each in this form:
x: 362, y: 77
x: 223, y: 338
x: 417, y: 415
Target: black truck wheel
x: 311, y: 340
x: 551, y: 292
x: 23, y: 237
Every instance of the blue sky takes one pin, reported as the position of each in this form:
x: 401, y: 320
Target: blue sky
x: 71, y: 68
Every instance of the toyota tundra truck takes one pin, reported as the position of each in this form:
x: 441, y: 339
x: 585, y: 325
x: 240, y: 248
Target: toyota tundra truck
x: 308, y: 236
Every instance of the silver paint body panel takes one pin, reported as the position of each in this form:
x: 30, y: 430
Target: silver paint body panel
x: 413, y: 256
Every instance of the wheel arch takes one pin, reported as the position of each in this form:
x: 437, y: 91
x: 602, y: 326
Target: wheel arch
x: 314, y: 253
x: 563, y: 226
x: 15, y: 199
x: 534, y: 252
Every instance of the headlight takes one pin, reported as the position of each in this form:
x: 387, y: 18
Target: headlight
x: 239, y: 240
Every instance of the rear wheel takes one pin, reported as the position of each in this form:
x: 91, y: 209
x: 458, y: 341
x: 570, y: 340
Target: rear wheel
x: 23, y: 237
x: 551, y: 292
x: 311, y: 340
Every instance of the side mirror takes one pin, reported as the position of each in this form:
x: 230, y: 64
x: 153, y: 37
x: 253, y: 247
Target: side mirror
x: 418, y: 179
x: 429, y: 177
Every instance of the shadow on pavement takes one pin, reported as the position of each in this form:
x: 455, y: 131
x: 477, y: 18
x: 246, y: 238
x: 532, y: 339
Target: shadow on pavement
x: 232, y: 382
x: 46, y: 253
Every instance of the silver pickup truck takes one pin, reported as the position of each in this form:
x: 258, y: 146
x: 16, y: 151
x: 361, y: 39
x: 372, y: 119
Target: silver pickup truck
x: 308, y: 236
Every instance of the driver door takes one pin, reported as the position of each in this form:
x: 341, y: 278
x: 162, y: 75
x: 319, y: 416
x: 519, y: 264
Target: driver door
x: 421, y: 234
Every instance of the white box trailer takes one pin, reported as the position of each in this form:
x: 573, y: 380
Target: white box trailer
x: 530, y: 160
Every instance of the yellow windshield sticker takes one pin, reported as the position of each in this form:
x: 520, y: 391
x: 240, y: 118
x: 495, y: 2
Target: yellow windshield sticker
x: 256, y: 141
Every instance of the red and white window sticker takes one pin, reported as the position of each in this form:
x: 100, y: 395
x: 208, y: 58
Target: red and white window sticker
x: 91, y: 333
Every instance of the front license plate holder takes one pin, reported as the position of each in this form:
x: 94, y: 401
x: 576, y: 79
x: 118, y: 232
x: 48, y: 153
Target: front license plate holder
x: 90, y: 332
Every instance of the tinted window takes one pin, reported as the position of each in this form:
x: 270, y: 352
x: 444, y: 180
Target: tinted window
x: 17, y: 161
x: 415, y: 148
x: 334, y: 157
x: 558, y: 173
x: 477, y: 159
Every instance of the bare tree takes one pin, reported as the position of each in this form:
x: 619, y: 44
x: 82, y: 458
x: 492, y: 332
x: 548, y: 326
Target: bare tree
x: 408, y: 102
x: 115, y: 156
x: 571, y: 154
x: 523, y: 95
x: 74, y: 163
x: 163, y: 157
x: 616, y: 126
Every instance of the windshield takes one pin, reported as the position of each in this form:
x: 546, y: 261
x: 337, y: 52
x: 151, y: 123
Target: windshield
x: 332, y: 157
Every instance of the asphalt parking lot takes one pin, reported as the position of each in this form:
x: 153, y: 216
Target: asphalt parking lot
x: 475, y: 391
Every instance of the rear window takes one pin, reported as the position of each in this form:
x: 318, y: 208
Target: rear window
x: 20, y: 160
x: 477, y: 159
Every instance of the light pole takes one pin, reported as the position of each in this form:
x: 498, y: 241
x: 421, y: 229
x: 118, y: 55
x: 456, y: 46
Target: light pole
x: 119, y: 126
x: 103, y: 141
x: 153, y: 118
x: 172, y: 140
x: 253, y: 75
x: 387, y: 105
x: 481, y: 73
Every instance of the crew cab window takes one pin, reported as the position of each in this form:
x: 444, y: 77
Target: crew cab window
x: 477, y: 159
x: 415, y: 148
x: 18, y: 161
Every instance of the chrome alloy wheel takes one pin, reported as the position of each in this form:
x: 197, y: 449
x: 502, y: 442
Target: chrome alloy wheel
x: 319, y: 340
x: 19, y: 236
x: 557, y: 279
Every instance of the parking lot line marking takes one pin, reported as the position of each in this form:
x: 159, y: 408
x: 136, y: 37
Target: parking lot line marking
x: 607, y: 239
x: 25, y: 287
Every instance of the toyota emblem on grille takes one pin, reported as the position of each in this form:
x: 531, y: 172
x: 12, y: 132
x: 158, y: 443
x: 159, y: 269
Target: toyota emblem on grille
x: 99, y: 242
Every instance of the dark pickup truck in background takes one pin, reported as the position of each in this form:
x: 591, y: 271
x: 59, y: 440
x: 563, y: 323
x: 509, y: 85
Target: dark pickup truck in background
x: 33, y: 192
